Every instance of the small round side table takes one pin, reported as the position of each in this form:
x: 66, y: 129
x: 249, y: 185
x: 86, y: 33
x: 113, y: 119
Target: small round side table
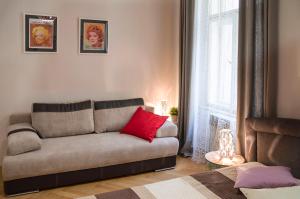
x: 215, y: 161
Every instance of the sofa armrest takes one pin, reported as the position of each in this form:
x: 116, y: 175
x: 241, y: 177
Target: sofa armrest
x: 22, y: 138
x: 19, y: 127
x: 168, y: 129
x: 149, y: 108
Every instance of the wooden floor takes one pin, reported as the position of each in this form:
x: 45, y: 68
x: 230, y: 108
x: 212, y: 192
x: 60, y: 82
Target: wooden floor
x: 184, y: 167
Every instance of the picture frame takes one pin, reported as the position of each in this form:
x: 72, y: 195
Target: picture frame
x: 93, y: 36
x: 40, y: 33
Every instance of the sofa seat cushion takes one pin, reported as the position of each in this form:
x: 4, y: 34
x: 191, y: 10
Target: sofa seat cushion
x: 84, y: 152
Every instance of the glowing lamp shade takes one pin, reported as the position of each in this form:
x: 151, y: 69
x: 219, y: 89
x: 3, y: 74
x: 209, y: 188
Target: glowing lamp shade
x: 226, y: 146
x: 163, y: 107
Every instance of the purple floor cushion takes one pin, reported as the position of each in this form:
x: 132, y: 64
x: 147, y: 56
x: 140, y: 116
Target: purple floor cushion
x: 265, y: 177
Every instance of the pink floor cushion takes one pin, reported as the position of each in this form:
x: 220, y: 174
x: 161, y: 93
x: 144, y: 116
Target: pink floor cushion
x: 265, y: 177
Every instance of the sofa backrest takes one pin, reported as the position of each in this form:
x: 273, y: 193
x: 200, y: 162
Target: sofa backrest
x: 58, y: 120
x: 113, y: 115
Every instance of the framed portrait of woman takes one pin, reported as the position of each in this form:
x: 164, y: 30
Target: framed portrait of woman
x: 93, y: 36
x: 40, y: 33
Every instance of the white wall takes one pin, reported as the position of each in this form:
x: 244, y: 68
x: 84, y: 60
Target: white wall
x: 289, y: 59
x: 142, y: 59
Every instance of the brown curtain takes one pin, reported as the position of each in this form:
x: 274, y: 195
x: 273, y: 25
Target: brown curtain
x: 257, y: 63
x: 186, y: 49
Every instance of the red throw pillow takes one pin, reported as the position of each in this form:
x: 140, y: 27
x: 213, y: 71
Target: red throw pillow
x: 144, y: 124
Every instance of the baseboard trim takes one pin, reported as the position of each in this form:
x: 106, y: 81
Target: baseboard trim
x: 32, y: 184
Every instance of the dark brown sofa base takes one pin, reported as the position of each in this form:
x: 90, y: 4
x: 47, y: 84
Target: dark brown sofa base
x: 74, y: 177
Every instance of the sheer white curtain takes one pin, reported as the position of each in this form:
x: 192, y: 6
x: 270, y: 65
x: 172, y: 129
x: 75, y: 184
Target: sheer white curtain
x: 214, y: 71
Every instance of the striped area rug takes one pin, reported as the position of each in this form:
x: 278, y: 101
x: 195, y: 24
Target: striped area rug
x: 209, y: 185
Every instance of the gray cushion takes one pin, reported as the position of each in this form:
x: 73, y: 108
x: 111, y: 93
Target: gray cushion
x: 114, y: 115
x: 23, y: 142
x: 22, y: 138
x: 57, y: 120
x: 84, y: 152
x: 168, y: 129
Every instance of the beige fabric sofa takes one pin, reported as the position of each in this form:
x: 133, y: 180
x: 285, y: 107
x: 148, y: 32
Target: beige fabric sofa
x: 81, y: 156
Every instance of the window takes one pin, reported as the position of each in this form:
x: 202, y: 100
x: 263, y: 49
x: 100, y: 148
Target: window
x: 222, y: 38
x: 214, y: 73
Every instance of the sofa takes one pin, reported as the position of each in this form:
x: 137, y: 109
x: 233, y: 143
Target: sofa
x: 64, y: 144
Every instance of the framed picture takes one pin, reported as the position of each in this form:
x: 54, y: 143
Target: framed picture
x: 40, y: 33
x: 93, y: 36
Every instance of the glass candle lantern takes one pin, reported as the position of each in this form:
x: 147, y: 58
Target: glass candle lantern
x: 226, y: 146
